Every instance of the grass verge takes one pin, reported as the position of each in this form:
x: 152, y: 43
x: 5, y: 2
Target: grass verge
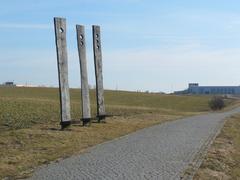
x: 223, y: 158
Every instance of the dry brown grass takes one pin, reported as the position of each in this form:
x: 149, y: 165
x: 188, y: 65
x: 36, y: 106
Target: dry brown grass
x: 223, y: 159
x: 29, y: 123
x: 24, y: 149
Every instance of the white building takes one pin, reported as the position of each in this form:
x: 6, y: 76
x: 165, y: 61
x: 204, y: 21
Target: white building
x: 194, y: 88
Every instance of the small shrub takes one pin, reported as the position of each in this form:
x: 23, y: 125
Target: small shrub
x: 216, y: 103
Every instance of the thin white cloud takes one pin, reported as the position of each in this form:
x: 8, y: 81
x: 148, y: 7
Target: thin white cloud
x: 158, y: 69
x: 155, y: 69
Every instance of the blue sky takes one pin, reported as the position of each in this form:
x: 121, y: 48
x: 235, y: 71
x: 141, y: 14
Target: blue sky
x: 155, y: 45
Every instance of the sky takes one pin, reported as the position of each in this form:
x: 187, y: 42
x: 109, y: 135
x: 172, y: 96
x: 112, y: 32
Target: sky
x: 154, y: 45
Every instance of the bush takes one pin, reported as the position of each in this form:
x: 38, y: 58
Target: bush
x: 216, y: 103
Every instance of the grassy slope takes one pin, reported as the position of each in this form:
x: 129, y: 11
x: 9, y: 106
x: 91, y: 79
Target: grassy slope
x: 29, y: 122
x: 223, y: 158
x: 23, y: 107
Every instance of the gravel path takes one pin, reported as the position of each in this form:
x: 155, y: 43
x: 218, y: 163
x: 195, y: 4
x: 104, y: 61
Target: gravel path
x: 160, y: 152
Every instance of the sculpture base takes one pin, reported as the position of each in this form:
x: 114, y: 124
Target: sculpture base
x: 86, y: 121
x: 101, y: 117
x: 65, y: 124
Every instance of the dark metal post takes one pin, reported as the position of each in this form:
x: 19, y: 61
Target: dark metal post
x: 86, y: 111
x: 62, y: 59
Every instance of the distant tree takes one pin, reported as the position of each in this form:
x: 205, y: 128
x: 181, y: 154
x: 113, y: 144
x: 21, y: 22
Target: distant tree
x: 216, y: 103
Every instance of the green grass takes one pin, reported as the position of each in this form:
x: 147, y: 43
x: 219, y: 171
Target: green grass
x: 24, y: 107
x: 29, y: 123
x: 185, y: 103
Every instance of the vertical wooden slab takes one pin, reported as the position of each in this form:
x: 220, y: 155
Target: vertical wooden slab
x: 62, y: 59
x: 86, y: 111
x: 97, y: 50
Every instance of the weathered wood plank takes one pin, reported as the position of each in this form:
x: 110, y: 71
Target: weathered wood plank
x: 97, y: 50
x: 86, y: 111
x: 62, y: 59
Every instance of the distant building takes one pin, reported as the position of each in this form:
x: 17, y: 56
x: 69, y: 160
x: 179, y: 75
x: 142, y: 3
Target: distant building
x: 8, y: 84
x: 194, y: 88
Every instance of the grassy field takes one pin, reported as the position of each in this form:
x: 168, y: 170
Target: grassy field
x: 24, y: 107
x: 223, y: 159
x: 29, y: 123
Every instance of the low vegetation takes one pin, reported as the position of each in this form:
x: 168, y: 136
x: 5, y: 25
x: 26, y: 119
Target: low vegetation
x: 216, y: 103
x: 223, y: 159
x: 29, y: 123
